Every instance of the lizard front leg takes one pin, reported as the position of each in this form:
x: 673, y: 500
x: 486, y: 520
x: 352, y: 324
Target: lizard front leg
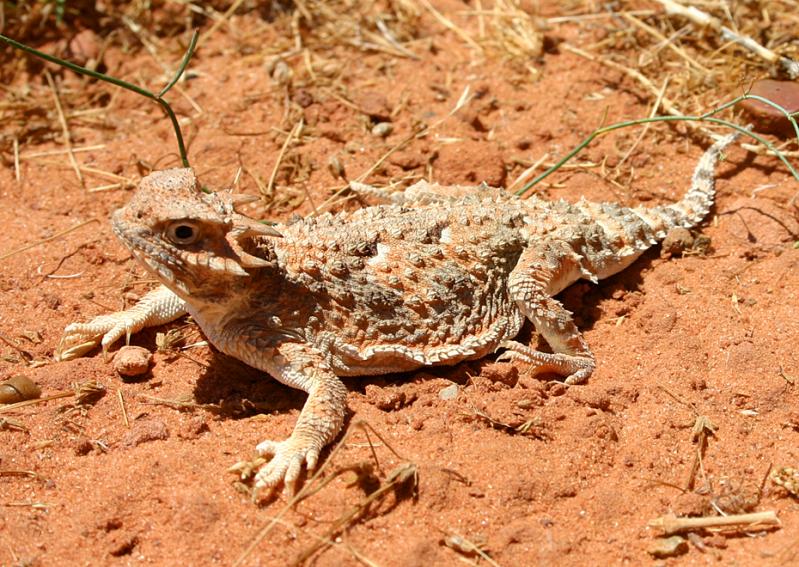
x: 302, y: 366
x: 157, y: 307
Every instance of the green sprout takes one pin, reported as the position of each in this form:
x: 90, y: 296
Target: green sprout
x: 707, y: 117
x: 159, y: 98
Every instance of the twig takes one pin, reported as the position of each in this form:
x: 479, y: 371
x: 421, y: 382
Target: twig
x: 295, y: 131
x: 667, y: 42
x: 43, y: 399
x: 217, y: 24
x: 307, y: 490
x: 16, y: 160
x: 697, y: 16
x: 671, y: 523
x: 447, y: 23
x: 64, y: 128
x: 48, y: 153
x: 46, y: 240
x: 122, y: 407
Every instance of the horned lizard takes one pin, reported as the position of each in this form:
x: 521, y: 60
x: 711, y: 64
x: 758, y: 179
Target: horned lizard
x: 436, y: 275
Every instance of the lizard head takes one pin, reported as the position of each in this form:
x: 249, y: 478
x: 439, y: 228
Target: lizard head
x: 191, y: 240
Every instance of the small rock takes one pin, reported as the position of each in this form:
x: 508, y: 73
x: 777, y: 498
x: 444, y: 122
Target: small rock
x: 470, y: 162
x: 18, y: 389
x: 193, y: 428
x: 502, y: 372
x: 382, y: 129
x: 83, y: 446
x: 408, y: 159
x: 303, y: 98
x: 448, y: 393
x: 591, y: 396
x: 85, y: 48
x: 373, y: 104
x: 669, y: 547
x: 132, y: 361
x: 145, y: 431
x: 677, y: 241
x: 388, y: 399
x: 766, y: 118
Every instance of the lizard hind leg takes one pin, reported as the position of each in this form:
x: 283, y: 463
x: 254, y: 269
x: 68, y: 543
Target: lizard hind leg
x: 529, y: 285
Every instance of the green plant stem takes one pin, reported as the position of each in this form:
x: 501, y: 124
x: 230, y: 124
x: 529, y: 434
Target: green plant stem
x: 707, y: 117
x: 124, y: 84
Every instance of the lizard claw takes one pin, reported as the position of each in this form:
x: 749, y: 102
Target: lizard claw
x: 286, y: 465
x: 80, y: 338
x: 156, y: 308
x: 576, y: 369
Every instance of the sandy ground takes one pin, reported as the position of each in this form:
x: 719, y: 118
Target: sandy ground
x: 132, y: 480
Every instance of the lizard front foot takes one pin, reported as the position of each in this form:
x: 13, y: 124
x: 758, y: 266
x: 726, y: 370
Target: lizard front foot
x: 286, y: 465
x: 576, y: 369
x: 155, y: 308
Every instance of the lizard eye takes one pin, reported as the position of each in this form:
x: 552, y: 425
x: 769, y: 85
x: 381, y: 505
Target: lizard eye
x: 183, y: 232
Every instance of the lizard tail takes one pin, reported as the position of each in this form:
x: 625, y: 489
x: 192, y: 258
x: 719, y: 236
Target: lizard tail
x: 696, y: 203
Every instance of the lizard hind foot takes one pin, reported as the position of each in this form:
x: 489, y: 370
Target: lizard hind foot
x: 288, y: 458
x: 576, y: 369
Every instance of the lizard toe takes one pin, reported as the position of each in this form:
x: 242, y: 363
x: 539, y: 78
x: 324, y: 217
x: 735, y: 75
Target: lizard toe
x: 286, y: 465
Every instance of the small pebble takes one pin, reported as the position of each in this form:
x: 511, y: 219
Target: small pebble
x: 132, y: 361
x: 382, y: 129
x: 677, y: 241
x: 18, y: 389
x: 669, y: 547
x: 449, y: 393
x: 145, y: 431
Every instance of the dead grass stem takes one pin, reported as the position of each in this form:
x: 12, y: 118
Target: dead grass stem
x: 56, y: 236
x: 64, y: 128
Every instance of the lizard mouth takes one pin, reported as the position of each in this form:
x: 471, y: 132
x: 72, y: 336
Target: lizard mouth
x: 249, y: 241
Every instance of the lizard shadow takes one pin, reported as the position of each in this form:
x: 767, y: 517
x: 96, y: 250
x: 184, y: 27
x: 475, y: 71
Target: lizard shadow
x: 241, y: 390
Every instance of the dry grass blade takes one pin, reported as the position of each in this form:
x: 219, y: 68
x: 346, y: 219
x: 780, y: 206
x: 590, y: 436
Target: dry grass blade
x: 397, y: 478
x: 23, y: 474
x: 447, y: 23
x: 667, y: 42
x: 8, y: 423
x: 296, y: 132
x: 788, y: 66
x: 646, y: 127
x: 122, y: 408
x: 64, y: 128
x: 43, y: 399
x: 17, y: 175
x: 35, y: 155
x: 36, y: 505
x: 757, y: 520
x: 220, y: 22
x: 46, y: 240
